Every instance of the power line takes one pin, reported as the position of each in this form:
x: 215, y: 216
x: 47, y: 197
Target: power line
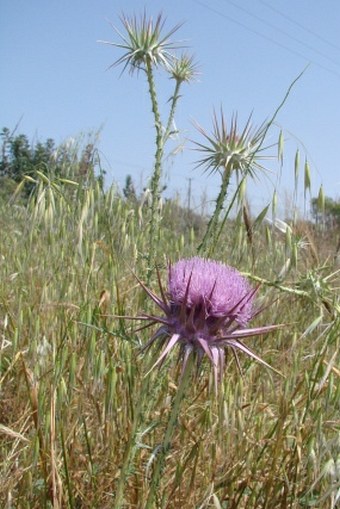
x: 278, y: 29
x: 267, y: 38
x: 306, y: 29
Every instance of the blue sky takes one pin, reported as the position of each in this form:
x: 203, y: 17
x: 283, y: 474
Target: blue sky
x: 55, y: 81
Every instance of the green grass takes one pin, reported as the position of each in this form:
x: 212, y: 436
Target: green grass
x: 73, y: 385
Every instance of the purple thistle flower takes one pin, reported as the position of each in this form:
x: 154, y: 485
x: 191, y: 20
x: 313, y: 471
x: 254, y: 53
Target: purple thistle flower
x: 206, y: 309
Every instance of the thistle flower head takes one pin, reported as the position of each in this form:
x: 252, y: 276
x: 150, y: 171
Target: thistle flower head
x: 206, y: 309
x: 211, y: 287
x: 183, y: 69
x: 231, y: 149
x: 144, y: 43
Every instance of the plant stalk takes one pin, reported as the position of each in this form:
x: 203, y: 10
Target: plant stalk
x: 205, y: 248
x: 155, y: 179
x: 174, y: 100
x: 165, y: 446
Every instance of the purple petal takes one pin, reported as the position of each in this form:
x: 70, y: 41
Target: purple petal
x: 213, y: 285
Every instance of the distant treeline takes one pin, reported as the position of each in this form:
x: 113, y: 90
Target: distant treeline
x: 73, y: 160
x: 21, y: 158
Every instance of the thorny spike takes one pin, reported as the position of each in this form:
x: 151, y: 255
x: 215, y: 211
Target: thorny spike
x: 205, y: 347
x: 212, y: 290
x: 160, y: 332
x: 187, y: 352
x: 161, y: 289
x: 164, y: 307
x: 184, y: 303
x: 238, y: 344
x: 216, y: 366
x: 236, y: 359
x: 256, y: 331
x: 172, y: 341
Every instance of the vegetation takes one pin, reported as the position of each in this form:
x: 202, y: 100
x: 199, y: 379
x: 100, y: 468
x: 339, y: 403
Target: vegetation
x: 20, y: 161
x: 83, y: 416
x: 326, y: 211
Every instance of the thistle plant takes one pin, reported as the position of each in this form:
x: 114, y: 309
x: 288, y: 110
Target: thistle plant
x: 146, y: 48
x: 229, y: 151
x: 205, y: 310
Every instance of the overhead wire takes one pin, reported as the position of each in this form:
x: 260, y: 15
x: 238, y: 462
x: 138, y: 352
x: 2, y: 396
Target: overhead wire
x: 278, y: 29
x: 300, y: 25
x: 266, y: 37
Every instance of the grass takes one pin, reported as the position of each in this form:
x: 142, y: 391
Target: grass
x: 84, y: 422
x: 73, y: 384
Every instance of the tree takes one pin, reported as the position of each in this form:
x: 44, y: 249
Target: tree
x: 129, y: 189
x: 327, y: 212
x: 19, y: 159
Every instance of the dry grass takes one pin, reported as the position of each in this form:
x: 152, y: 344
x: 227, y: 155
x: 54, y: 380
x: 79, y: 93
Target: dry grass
x: 72, y: 378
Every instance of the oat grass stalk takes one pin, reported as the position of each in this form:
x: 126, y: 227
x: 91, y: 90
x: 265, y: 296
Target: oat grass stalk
x: 33, y: 397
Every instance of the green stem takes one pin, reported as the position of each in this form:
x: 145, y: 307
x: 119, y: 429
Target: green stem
x: 155, y: 193
x: 226, y: 215
x: 174, y: 101
x: 275, y: 284
x: 165, y: 446
x: 210, y: 234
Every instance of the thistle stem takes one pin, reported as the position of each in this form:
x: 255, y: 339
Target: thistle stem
x: 155, y: 180
x: 165, y: 446
x: 227, y: 212
x: 174, y: 101
x: 208, y: 242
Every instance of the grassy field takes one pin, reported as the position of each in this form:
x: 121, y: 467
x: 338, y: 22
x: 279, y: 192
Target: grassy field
x: 75, y: 393
x: 86, y: 421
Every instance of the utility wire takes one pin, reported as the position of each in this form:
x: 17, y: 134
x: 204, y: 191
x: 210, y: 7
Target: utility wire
x: 291, y: 20
x: 278, y: 29
x: 267, y: 38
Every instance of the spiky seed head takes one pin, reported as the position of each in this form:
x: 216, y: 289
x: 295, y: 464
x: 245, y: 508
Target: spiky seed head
x: 144, y: 43
x: 230, y: 149
x: 183, y: 69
